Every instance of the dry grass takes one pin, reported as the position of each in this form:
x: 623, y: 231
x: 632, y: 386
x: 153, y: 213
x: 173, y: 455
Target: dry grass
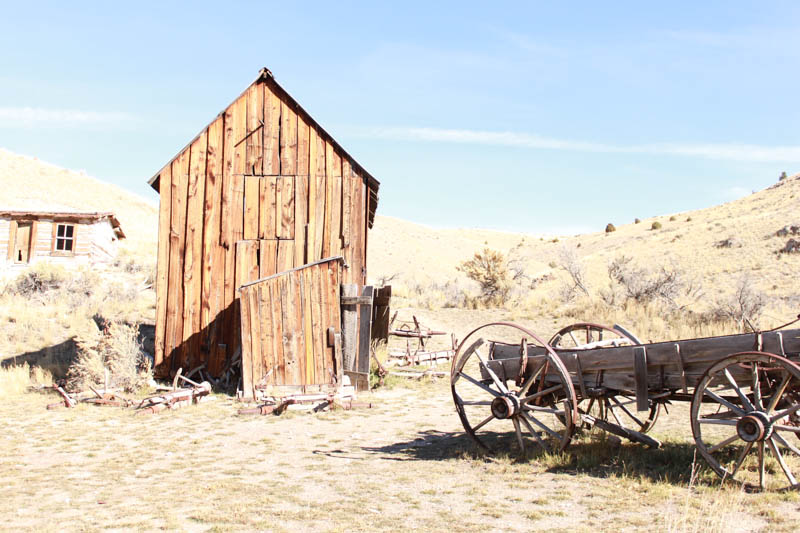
x: 16, y: 379
x: 46, y: 308
x: 403, y: 465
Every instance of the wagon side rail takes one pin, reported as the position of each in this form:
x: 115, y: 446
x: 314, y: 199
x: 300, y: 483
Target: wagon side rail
x: 671, y: 365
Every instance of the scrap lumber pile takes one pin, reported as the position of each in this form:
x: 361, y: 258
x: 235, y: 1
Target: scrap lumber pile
x: 176, y: 397
x: 344, y: 398
x: 108, y: 398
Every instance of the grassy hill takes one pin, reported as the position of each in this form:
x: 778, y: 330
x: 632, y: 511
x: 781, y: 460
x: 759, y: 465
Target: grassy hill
x: 28, y: 183
x: 714, y: 252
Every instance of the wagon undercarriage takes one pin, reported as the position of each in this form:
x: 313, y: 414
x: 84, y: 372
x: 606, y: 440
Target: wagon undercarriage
x: 744, y: 392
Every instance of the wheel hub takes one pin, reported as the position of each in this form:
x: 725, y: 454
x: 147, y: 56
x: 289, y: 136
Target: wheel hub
x: 754, y: 427
x: 505, y: 406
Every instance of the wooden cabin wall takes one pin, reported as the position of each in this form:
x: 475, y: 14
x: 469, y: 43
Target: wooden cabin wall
x: 261, y: 174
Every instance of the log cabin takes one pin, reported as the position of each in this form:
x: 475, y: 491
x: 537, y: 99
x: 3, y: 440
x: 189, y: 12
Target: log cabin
x: 262, y: 194
x: 58, y: 236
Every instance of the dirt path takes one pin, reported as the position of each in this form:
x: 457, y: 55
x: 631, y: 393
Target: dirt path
x: 403, y: 465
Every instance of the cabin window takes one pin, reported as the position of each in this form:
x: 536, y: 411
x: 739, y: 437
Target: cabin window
x: 65, y: 238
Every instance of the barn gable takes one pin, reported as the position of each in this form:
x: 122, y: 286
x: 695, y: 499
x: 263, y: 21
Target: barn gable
x: 263, y: 189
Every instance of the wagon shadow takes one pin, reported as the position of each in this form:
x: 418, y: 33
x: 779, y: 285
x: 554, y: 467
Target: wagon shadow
x: 596, y: 456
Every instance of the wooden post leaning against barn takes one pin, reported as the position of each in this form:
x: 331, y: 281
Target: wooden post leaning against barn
x: 356, y: 338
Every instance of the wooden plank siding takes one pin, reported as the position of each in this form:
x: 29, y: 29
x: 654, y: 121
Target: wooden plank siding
x: 262, y: 190
x: 288, y: 307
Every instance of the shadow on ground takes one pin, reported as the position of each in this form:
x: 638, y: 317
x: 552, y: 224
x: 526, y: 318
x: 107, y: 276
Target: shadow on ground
x: 592, y: 455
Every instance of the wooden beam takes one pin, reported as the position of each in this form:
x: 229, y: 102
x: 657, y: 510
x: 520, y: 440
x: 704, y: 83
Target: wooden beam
x: 193, y: 252
x: 254, y: 150
x: 162, y: 265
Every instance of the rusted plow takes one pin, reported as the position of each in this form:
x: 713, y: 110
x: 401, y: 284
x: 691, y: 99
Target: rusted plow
x: 511, y: 388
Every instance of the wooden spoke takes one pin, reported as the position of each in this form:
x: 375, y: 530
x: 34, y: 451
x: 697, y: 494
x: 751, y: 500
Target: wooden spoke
x: 551, y: 432
x: 613, y: 399
x: 779, y: 457
x: 500, y: 384
x: 517, y: 429
x: 786, y: 444
x: 476, y: 402
x: 614, y: 414
x: 533, y: 432
x: 756, y: 387
x: 538, y: 409
x: 726, y: 403
x: 742, y: 456
x: 571, y: 336
x: 724, y: 443
x: 718, y: 421
x: 785, y: 412
x: 541, y: 393
x: 781, y: 427
x: 773, y: 401
x: 485, y: 421
x: 479, y: 384
x: 739, y: 392
x: 761, y: 464
x: 532, y: 379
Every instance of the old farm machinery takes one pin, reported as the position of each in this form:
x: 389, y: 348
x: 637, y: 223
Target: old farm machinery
x: 744, y: 392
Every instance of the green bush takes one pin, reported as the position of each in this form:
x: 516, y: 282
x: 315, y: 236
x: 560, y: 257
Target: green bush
x: 610, y: 227
x: 656, y: 225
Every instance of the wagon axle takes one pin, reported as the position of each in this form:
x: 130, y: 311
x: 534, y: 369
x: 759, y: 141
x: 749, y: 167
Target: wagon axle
x: 505, y: 406
x: 754, y: 427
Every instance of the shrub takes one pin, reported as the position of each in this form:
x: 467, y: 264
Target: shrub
x: 672, y: 218
x: 782, y: 176
x: 637, y: 221
x: 116, y: 349
x: 688, y: 219
x: 38, y: 279
x: 792, y: 247
x: 488, y: 268
x: 610, y: 227
x: 644, y: 286
x: 569, y: 261
x: 744, y: 307
x: 655, y: 225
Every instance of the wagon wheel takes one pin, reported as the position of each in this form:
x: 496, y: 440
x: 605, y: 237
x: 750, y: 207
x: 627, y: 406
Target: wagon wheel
x: 617, y: 408
x: 742, y: 417
x: 541, y: 409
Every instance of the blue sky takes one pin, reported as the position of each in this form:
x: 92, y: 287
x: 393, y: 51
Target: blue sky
x: 530, y: 117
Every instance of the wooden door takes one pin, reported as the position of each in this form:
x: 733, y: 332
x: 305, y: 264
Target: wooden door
x: 22, y: 242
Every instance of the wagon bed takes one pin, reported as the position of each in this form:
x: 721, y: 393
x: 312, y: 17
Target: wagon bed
x: 744, y: 389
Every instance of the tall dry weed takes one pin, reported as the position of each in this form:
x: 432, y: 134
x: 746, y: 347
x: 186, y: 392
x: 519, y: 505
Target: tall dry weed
x: 115, y: 351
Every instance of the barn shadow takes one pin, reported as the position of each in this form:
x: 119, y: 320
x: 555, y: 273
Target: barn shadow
x: 596, y: 456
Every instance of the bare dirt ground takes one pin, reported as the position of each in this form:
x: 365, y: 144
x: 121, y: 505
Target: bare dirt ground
x: 404, y: 464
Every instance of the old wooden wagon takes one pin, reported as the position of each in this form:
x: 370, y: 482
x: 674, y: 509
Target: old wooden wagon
x: 261, y: 191
x: 744, y: 392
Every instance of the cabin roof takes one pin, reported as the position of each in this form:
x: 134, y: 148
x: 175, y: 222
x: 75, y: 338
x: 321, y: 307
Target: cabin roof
x: 66, y: 216
x: 265, y: 75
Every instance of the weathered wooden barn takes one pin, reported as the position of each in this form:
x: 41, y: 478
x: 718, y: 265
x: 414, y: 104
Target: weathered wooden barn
x: 262, y: 190
x: 57, y: 236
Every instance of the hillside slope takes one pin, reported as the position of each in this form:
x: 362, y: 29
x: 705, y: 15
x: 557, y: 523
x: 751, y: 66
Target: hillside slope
x: 28, y: 183
x: 714, y: 247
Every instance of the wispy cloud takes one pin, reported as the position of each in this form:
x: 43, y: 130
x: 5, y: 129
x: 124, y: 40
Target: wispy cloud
x: 736, y: 152
x: 42, y: 117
